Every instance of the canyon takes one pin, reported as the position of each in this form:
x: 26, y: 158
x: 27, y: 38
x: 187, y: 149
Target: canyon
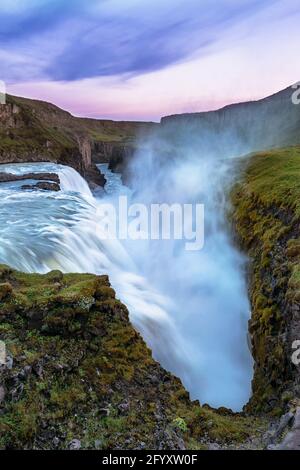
x: 79, y: 316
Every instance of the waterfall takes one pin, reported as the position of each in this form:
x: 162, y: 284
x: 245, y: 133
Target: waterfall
x: 69, y: 182
x: 191, y: 309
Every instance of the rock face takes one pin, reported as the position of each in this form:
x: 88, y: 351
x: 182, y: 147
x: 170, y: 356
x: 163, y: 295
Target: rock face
x: 266, y: 217
x: 77, y: 375
x: 235, y: 130
x: 85, y: 149
x: 36, y: 131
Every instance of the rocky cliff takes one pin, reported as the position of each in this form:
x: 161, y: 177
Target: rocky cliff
x: 266, y: 216
x: 241, y: 128
x: 238, y: 129
x: 36, y: 131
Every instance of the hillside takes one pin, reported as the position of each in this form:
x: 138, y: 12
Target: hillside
x: 32, y: 130
x: 241, y: 128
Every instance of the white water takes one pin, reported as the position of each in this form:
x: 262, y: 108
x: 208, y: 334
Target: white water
x: 191, y: 308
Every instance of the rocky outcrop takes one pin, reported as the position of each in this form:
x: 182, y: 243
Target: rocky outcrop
x: 46, y: 181
x: 77, y: 375
x: 117, y: 155
x: 9, y: 177
x: 44, y: 185
x: 9, y: 115
x: 85, y: 148
x: 36, y: 131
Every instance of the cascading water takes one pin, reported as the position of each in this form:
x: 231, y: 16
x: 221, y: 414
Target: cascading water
x: 42, y: 231
x: 191, y: 307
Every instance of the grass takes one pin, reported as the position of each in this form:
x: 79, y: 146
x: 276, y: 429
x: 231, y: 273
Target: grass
x: 89, y: 375
x: 266, y: 214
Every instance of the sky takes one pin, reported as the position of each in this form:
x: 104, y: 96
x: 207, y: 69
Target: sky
x: 143, y: 59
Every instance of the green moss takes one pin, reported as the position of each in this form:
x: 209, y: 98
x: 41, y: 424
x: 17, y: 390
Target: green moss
x: 81, y: 371
x: 266, y: 210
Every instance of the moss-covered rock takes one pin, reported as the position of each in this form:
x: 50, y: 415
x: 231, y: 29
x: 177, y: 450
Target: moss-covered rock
x: 266, y: 216
x: 78, y: 371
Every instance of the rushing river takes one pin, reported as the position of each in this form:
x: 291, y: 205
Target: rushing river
x: 192, y: 309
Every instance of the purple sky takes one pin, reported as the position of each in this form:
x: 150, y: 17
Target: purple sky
x: 141, y: 59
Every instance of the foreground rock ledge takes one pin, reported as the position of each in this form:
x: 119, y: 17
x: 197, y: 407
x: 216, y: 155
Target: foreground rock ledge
x: 77, y: 375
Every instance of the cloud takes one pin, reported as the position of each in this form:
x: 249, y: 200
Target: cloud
x: 71, y: 40
x: 242, y: 71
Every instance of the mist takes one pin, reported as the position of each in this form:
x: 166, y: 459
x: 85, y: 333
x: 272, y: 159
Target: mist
x: 206, y: 289
x: 196, y: 159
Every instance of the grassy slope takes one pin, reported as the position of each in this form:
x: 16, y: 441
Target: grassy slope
x: 61, y: 125
x: 80, y: 371
x: 266, y: 215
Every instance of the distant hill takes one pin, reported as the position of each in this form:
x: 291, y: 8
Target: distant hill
x: 32, y: 130
x: 241, y: 128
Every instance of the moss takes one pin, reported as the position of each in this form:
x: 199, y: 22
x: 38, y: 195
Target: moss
x: 180, y: 424
x: 266, y: 214
x: 81, y: 371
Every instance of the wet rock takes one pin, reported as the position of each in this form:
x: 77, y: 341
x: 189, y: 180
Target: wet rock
x: 44, y: 185
x: 94, y: 177
x: 8, y: 177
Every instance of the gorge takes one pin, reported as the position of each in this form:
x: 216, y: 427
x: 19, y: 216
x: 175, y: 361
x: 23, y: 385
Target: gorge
x: 192, y: 317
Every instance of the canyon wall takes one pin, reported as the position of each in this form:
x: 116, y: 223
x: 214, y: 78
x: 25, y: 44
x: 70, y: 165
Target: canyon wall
x: 240, y: 128
x: 37, y: 131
